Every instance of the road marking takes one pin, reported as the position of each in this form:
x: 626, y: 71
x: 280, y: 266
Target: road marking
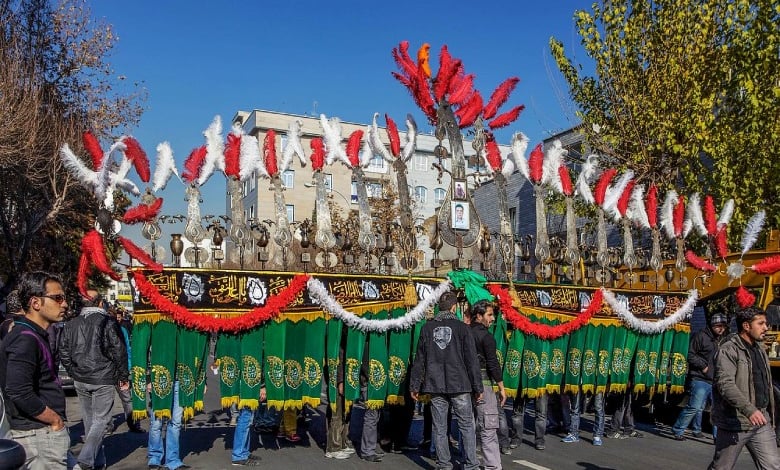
x: 532, y: 465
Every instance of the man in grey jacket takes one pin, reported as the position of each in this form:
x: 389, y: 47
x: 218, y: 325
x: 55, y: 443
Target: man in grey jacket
x: 743, y: 401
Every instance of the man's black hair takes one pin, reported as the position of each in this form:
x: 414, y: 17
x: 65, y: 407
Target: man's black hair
x: 746, y: 315
x: 447, y: 300
x: 33, y: 284
x: 478, y: 308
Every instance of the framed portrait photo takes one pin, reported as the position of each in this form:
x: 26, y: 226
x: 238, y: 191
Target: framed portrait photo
x: 459, y: 190
x: 460, y: 216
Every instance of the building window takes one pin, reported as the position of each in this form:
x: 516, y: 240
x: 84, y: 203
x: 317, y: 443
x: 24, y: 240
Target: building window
x: 513, y: 218
x: 329, y: 182
x: 245, y: 189
x: 421, y: 162
x: 374, y: 190
x: 438, y: 195
x: 421, y: 194
x: 377, y: 164
x: 288, y: 178
x: 253, y: 181
x: 290, y: 212
x: 252, y: 211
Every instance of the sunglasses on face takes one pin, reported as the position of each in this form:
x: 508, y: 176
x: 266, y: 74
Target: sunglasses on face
x: 59, y: 298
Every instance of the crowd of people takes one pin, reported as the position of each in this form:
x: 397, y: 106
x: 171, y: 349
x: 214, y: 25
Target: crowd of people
x: 455, y: 372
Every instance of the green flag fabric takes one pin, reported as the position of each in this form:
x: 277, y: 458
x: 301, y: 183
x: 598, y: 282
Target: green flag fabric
x: 273, y: 369
x: 332, y: 355
x: 603, y: 364
x: 163, y: 366
x: 573, y: 377
x: 376, y: 388
x: 590, y: 358
x: 663, y: 361
x: 679, y: 361
x: 356, y: 340
x: 294, y: 350
x: 251, y: 368
x: 616, y: 381
x: 398, y: 352
x: 653, y: 357
x: 513, y: 363
x: 228, y: 359
x: 313, y: 361
x: 558, y: 349
x: 189, y: 354
x: 139, y: 358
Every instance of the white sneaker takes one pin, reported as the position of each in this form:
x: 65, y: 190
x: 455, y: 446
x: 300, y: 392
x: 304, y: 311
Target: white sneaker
x: 338, y: 455
x: 348, y: 450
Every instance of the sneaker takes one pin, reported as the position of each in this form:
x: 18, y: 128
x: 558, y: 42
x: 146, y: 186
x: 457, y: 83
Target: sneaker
x: 506, y: 451
x: 679, y: 437
x: 698, y: 435
x: 539, y: 446
x: 571, y: 438
x: 348, y: 449
x: 338, y: 455
x: 614, y: 435
x: 514, y: 442
x: 372, y: 458
x: 633, y: 434
x: 597, y: 441
x: 246, y: 463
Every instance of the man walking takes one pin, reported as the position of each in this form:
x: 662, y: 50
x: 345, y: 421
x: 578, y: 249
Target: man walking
x: 446, y: 367
x: 34, y: 398
x: 701, y: 355
x: 743, y: 401
x: 93, y: 352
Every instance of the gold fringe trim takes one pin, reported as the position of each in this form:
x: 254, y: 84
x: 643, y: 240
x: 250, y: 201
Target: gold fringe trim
x: 160, y: 414
x: 375, y: 404
x: 395, y: 400
x: 311, y: 401
x: 187, y: 413
x: 278, y: 405
x: 424, y: 398
x: 252, y: 404
x: 639, y: 388
x: 683, y: 327
x: 146, y: 317
x: 227, y: 402
x: 139, y: 415
x: 676, y: 389
x: 511, y: 392
x: 588, y: 388
x: 333, y: 407
x: 347, y: 406
x: 601, y: 389
x: 550, y: 388
x: 529, y: 392
x: 198, y: 405
x: 619, y: 388
x: 573, y: 389
x: 293, y: 404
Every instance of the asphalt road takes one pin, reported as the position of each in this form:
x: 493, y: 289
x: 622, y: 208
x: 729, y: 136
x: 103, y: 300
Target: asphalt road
x: 207, y: 440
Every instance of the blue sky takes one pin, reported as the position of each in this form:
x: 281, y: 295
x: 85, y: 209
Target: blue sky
x: 197, y: 59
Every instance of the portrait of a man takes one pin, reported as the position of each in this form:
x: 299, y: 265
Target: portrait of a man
x: 460, y: 217
x: 460, y: 190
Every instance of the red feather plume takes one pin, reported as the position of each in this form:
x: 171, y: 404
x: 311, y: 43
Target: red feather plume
x: 405, y: 81
x: 353, y: 148
x: 137, y: 155
x: 140, y: 255
x: 600, y: 192
x: 768, y: 265
x: 318, y: 153
x: 448, y: 67
x: 82, y: 276
x: 469, y: 112
x: 721, y: 242
x: 744, y: 298
x: 563, y: 172
x: 232, y: 155
x: 651, y: 206
x: 536, y: 164
x: 625, y: 196
x: 422, y: 95
x: 392, y: 134
x: 92, y: 246
x: 499, y: 97
x: 269, y: 153
x: 679, y: 216
x: 507, y: 118
x: 93, y: 147
x: 142, y: 212
x: 710, y: 218
x: 457, y: 78
x: 462, y: 91
x: 699, y: 263
x: 493, y: 155
x: 403, y: 60
x: 193, y: 164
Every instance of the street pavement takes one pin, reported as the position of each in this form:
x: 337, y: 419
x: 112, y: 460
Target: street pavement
x: 207, y: 439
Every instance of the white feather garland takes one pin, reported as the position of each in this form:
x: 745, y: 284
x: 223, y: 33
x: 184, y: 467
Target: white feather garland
x: 637, y: 212
x: 77, y: 168
x: 366, y: 154
x: 411, y: 138
x: 250, y: 158
x: 215, y: 150
x: 377, y: 146
x: 651, y: 327
x: 319, y: 294
x: 667, y: 213
x: 615, y: 191
x: 331, y: 133
x: 725, y: 214
x: 695, y: 215
x: 517, y: 159
x: 165, y: 167
x: 293, y: 145
x: 553, y: 157
x: 586, y: 177
x: 752, y: 230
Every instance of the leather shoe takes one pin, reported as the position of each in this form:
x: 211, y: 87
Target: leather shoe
x: 372, y: 458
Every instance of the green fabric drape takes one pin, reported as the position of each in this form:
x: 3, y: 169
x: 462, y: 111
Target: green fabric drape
x: 498, y: 329
x: 273, y: 369
x: 573, y: 377
x: 228, y: 359
x: 398, y: 352
x: 294, y: 348
x: 356, y: 340
x: 313, y: 361
x: 590, y: 358
x: 653, y: 357
x: 603, y: 364
x: 376, y: 387
x: 189, y: 354
x: 530, y: 375
x: 251, y: 368
x: 472, y: 284
x: 163, y: 366
x: 558, y: 349
x: 513, y: 363
x: 629, y: 350
x: 663, y: 361
x: 139, y: 358
x: 641, y: 368
x: 678, y: 367
x: 616, y: 381
x: 332, y: 354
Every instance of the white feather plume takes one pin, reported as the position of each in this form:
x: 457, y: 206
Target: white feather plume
x: 165, y: 167
x: 293, y: 145
x: 331, y: 133
x: 517, y: 159
x: 636, y: 207
x: 694, y: 214
x: 725, y: 214
x: 377, y: 146
x: 411, y: 138
x: 687, y: 227
x: 667, y: 213
x: 366, y: 153
x: 215, y: 150
x: 106, y: 182
x: 77, y: 168
x: 585, y: 178
x: 614, y: 192
x: 553, y: 157
x: 250, y: 158
x: 752, y: 230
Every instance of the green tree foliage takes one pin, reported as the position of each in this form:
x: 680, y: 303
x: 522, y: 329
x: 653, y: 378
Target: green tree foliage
x: 685, y: 92
x: 55, y: 83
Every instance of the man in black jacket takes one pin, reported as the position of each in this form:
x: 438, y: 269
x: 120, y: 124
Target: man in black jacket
x: 447, y: 368
x: 35, y: 401
x: 93, y: 352
x: 701, y: 367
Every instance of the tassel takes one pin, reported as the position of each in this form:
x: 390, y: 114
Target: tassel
x: 193, y: 164
x: 507, y: 118
x: 462, y: 91
x: 318, y: 154
x: 768, y: 265
x: 93, y: 147
x: 744, y: 298
x: 600, y: 191
x: 269, y: 153
x: 143, y: 212
x: 232, y: 155
x: 137, y: 155
x: 651, y: 207
x: 536, y: 164
x: 699, y: 263
x: 468, y: 113
x: 392, y: 134
x: 499, y: 97
x: 410, y: 294
x: 140, y: 255
x: 515, y: 298
x: 353, y: 148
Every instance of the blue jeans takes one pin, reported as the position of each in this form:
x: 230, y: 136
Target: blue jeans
x: 577, y: 404
x: 96, y: 403
x: 701, y: 391
x: 241, y: 435
x: 463, y: 412
x: 171, y: 453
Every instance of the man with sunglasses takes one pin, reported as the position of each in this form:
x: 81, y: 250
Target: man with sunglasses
x: 35, y: 401
x: 93, y: 352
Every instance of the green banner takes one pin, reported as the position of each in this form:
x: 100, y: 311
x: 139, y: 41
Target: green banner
x: 558, y: 349
x: 679, y: 361
x: 590, y: 358
x: 335, y: 328
x: 398, y: 361
x: 663, y: 361
x: 356, y: 340
x: 274, y: 363
x: 190, y: 353
x: 228, y: 359
x: 313, y: 361
x: 653, y: 358
x: 573, y: 377
x: 603, y: 367
x: 139, y: 358
x: 251, y: 368
x: 376, y: 388
x: 294, y: 348
x: 513, y: 363
x: 163, y: 366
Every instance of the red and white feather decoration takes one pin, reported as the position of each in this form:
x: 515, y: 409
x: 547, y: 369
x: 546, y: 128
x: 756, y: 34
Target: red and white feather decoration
x: 233, y: 154
x: 193, y: 164
x: 269, y: 153
x: 469, y: 112
x: 507, y: 118
x: 769, y: 265
x: 600, y: 192
x: 699, y: 263
x: 679, y: 216
x: 499, y: 96
x: 651, y: 207
x: 392, y: 134
x: 536, y: 165
x: 721, y: 242
x: 448, y: 67
x: 744, y: 298
x: 625, y: 197
x: 92, y: 246
x: 492, y: 153
x: 710, y: 217
x: 82, y: 275
x: 318, y: 153
x: 462, y: 90
x: 143, y: 212
x: 133, y: 251
x: 92, y: 145
x: 136, y: 154
x: 353, y: 148
x: 566, y: 186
